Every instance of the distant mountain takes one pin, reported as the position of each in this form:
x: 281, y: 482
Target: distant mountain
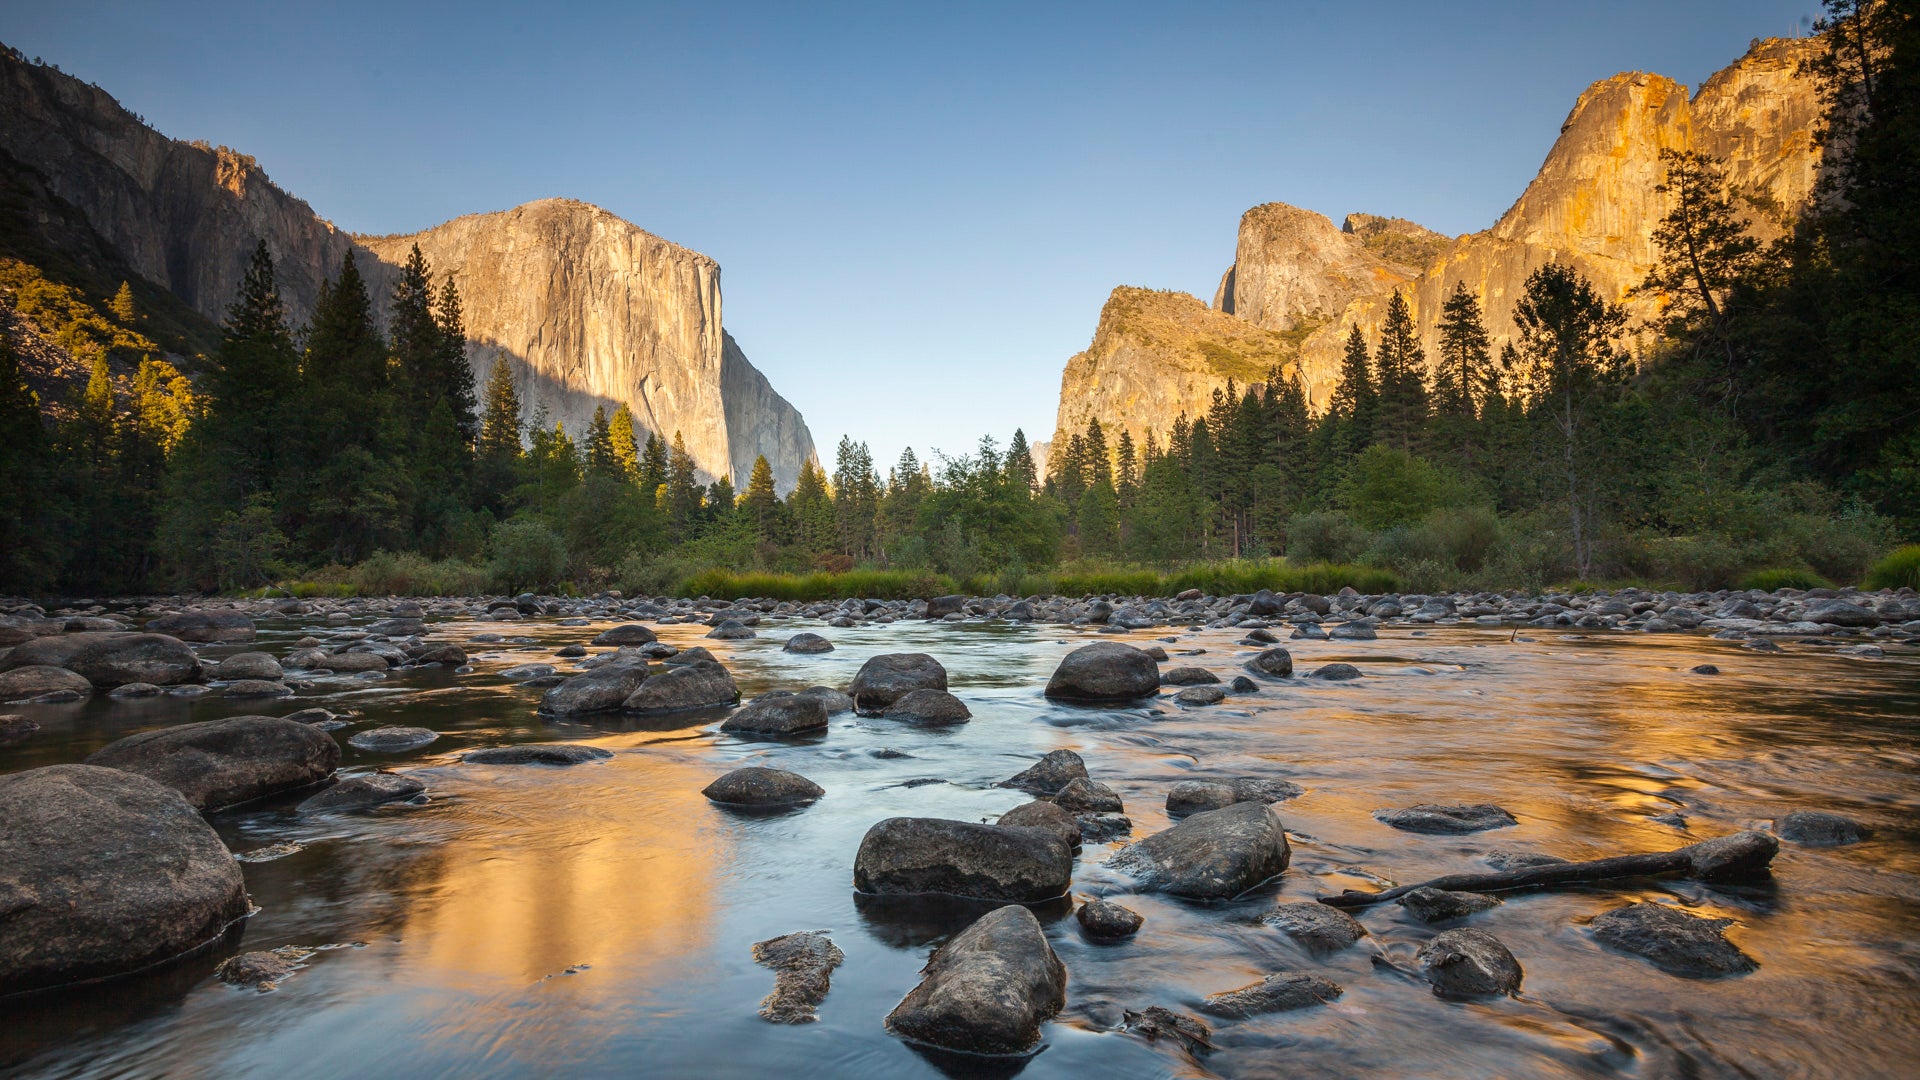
x: 587, y: 308
x: 1591, y: 205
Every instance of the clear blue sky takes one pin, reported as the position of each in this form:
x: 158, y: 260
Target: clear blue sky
x: 918, y: 208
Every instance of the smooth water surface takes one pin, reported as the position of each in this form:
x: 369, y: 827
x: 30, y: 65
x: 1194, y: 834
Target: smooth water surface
x: 598, y: 920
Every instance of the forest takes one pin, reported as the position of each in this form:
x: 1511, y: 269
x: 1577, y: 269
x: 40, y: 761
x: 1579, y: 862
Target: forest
x: 1769, y: 437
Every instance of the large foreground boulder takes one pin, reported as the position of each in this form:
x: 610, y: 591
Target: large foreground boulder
x: 887, y: 678
x: 204, y: 626
x: 111, y: 659
x: 599, y: 690
x: 704, y: 684
x: 988, y: 990
x: 1105, y: 671
x: 36, y: 679
x: 220, y: 763
x: 961, y: 858
x: 1214, y: 855
x: 104, y: 872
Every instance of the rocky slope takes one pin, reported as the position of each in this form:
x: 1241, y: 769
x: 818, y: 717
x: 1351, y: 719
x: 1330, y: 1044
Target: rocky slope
x: 1592, y: 205
x: 589, y: 309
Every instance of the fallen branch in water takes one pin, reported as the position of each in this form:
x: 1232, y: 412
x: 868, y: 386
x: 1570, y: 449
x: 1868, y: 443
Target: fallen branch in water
x: 1743, y: 854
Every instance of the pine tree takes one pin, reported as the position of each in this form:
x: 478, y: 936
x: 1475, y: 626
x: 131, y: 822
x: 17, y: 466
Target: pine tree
x: 762, y: 503
x: 250, y: 390
x: 810, y: 506
x: 1402, y: 371
x: 1465, y: 375
x: 417, y: 342
x: 31, y: 504
x: 599, y: 446
x: 856, y: 499
x: 453, y: 379
x: 501, y: 425
x: 1096, y: 462
x: 653, y: 468
x: 122, y: 305
x: 1020, y: 468
x: 626, y: 446
x: 683, y: 489
x: 1354, y: 398
x: 1126, y: 473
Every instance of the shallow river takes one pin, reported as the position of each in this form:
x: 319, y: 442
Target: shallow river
x: 598, y: 920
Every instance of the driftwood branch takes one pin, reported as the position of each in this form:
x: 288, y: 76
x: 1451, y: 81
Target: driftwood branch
x: 1743, y: 854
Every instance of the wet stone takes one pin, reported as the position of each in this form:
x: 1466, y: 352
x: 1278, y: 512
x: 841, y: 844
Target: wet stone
x: 1283, y: 991
x: 1040, y: 814
x: 1197, y: 796
x: 1156, y: 1022
x: 1317, y: 926
x: 14, y: 728
x: 1049, y: 775
x: 1501, y: 859
x: 260, y: 971
x: 538, y: 754
x: 1439, y: 905
x: 988, y: 990
x: 1104, y: 672
x: 365, y: 790
x: 1196, y: 696
x: 1101, y: 828
x: 928, y: 706
x: 627, y: 634
x: 905, y: 855
x: 1083, y: 795
x: 1817, y: 828
x: 1106, y: 920
x: 254, y: 688
x: 1469, y: 963
x: 392, y: 740
x: 807, y: 643
x: 1336, y: 673
x: 1276, y: 663
x: 1216, y: 855
x: 1243, y: 685
x: 1446, y: 819
x: 134, y: 690
x: 778, y: 713
x: 803, y: 966
x: 1677, y: 943
x: 1189, y: 676
x: 730, y: 630
x: 757, y: 786
x: 886, y: 678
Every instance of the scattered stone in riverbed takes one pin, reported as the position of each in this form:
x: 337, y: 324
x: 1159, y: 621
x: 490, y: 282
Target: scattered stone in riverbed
x: 803, y: 966
x: 1040, y: 814
x: 1105, y: 671
x: 1283, y: 991
x: 1315, y: 925
x: 963, y: 858
x: 1336, y: 673
x: 14, y: 728
x: 363, y: 791
x: 1432, y: 905
x: 599, y: 690
x: 778, y: 712
x: 204, y: 626
x: 1200, y: 695
x: 833, y: 700
x: 134, y: 690
x: 250, y: 665
x: 730, y: 630
x: 1704, y: 669
x: 1243, y: 685
x: 1053, y: 772
x: 220, y: 763
x: 393, y: 739
x: 37, y: 680
x: 1451, y: 819
x: 1501, y: 859
x: 1083, y: 795
x: 1817, y: 828
x: 1155, y: 1022
x: 1197, y: 796
x: 1677, y: 943
x: 704, y: 684
x: 1469, y: 963
x: 988, y: 990
x: 271, y: 852
x: 262, y: 971
x: 1100, y: 828
x: 110, y: 659
x: 1188, y: 676
x: 757, y: 786
x: 807, y: 643
x: 887, y: 678
x: 928, y: 706
x: 1276, y: 663
x: 1108, y: 921
x: 1214, y: 855
x: 626, y: 634
x: 252, y: 688
x: 538, y: 754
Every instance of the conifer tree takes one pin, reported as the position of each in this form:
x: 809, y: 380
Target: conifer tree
x: 599, y: 446
x: 653, y: 468
x: 1021, y: 472
x: 1354, y: 399
x: 122, y: 305
x: 1126, y: 473
x: 501, y: 425
x: 30, y: 503
x: 626, y: 446
x: 1465, y: 374
x: 810, y: 506
x: 453, y: 380
x: 1401, y: 366
x: 683, y: 489
x: 1096, y: 462
x: 762, y: 503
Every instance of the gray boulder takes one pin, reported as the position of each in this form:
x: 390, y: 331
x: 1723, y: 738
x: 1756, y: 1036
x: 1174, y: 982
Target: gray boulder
x: 598, y: 690
x: 220, y: 763
x: 1817, y: 828
x: 830, y: 699
x: 1336, y: 673
x: 392, y: 739
x: 778, y: 712
x: 1105, y: 671
x: 1317, y: 926
x: 36, y: 679
x: 1438, y: 905
x: 928, y: 707
x: 626, y: 634
x: 135, y: 690
x: 251, y: 688
x: 538, y: 754
x: 1468, y: 963
x: 756, y: 786
x: 105, y: 872
x: 1838, y: 612
x: 681, y: 687
x: 1276, y: 663
x: 1450, y: 819
x: 1106, y: 920
x: 1282, y: 991
x: 363, y: 791
x: 1049, y: 774
x: 110, y: 659
x: 1188, y: 676
x: 249, y: 665
x: 807, y: 643
x: 1201, y: 695
x: 1198, y: 796
x: 942, y: 606
x: 962, y: 858
x: 1214, y: 855
x: 204, y: 626
x: 730, y: 630
x: 1040, y: 814
x: 1082, y: 795
x: 15, y: 728
x: 1677, y: 943
x: 988, y: 990
x: 889, y: 677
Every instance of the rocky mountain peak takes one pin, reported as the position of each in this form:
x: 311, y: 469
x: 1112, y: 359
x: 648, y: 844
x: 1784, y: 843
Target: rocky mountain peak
x: 1292, y: 266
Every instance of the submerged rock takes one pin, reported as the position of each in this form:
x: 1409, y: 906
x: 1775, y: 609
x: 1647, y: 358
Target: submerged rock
x: 1817, y: 828
x: 14, y: 728
x: 1105, y: 671
x: 1448, y: 819
x: 757, y: 786
x: 1676, y: 942
x: 962, y: 858
x: 1283, y: 991
x: 1100, y: 828
x: 832, y: 700
x: 1197, y: 796
x: 1156, y: 1022
x: 1049, y: 775
x: 730, y: 630
x: 1469, y: 963
x: 988, y: 990
x: 625, y: 634
x: 887, y: 678
x: 253, y: 688
x: 1200, y: 695
x: 1189, y: 676
x: 1438, y: 905
x: 260, y: 971
x: 1107, y: 920
x: 1336, y: 673
x: 393, y: 739
x: 538, y: 754
x: 365, y: 790
x: 1316, y: 925
x: 35, y: 680
x: 778, y: 712
x: 134, y: 690
x: 1214, y: 855
x: 219, y: 763
x: 105, y: 872
x: 803, y: 966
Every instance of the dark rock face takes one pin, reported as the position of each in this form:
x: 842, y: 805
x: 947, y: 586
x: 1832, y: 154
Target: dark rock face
x: 104, y: 872
x: 223, y: 762
x: 365, y: 790
x: 599, y: 690
x: 755, y: 786
x: 1277, y: 663
x: 1446, y: 819
x: 1315, y: 925
x: 1816, y: 828
x: 538, y: 754
x: 1336, y: 673
x: 1106, y: 920
x: 204, y: 626
x: 1283, y: 991
x: 961, y: 858
x: 627, y: 634
x: 1439, y: 905
x: 1678, y: 943
x: 701, y: 685
x: 988, y: 990
x: 928, y: 707
x: 392, y: 740
x: 889, y: 677
x: 807, y: 643
x: 730, y: 630
x: 1082, y: 795
x: 250, y: 665
x: 1049, y: 775
x: 1040, y: 814
x: 108, y: 659
x: 1468, y: 963
x: 34, y: 680
x: 1215, y: 855
x: 1198, y: 796
x: 778, y: 713
x: 803, y: 966
x: 1105, y: 671
x: 1188, y: 676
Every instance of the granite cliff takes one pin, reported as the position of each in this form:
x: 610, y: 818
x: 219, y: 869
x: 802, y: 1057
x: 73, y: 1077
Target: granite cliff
x: 589, y: 309
x: 1592, y: 205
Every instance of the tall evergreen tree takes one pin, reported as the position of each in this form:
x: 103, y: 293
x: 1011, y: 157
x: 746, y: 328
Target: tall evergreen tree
x: 31, y: 504
x: 683, y: 489
x: 1020, y: 468
x: 1402, y: 371
x: 600, y: 460
x: 625, y: 445
x: 1354, y: 398
x: 122, y: 305
x: 762, y: 502
x: 1465, y: 374
x: 653, y: 467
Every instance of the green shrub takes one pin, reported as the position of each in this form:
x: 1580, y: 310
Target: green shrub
x: 1325, y: 536
x: 1898, y: 570
x: 527, y: 555
x: 878, y: 584
x: 1784, y: 577
x: 1385, y: 487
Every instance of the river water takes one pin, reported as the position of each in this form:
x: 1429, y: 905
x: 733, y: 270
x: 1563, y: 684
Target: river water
x: 598, y: 920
